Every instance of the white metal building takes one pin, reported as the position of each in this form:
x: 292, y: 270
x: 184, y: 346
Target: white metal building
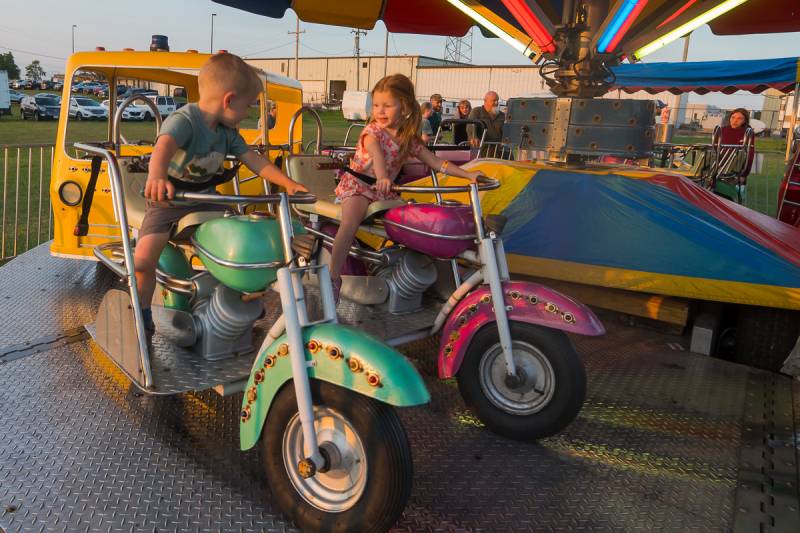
x: 326, y: 78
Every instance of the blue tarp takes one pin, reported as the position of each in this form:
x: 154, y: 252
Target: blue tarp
x: 754, y: 75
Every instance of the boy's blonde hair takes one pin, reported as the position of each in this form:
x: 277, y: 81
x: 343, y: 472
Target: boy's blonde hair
x: 227, y: 72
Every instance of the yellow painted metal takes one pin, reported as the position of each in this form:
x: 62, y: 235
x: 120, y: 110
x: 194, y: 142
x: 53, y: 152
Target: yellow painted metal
x: 171, y: 68
x: 351, y: 13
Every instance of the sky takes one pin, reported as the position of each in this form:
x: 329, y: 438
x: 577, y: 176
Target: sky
x: 43, y: 30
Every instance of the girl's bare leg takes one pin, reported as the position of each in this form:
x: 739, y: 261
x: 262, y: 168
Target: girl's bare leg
x: 353, y: 210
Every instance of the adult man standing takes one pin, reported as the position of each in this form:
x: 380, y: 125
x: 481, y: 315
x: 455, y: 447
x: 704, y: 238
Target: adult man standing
x: 492, y: 117
x: 436, y: 117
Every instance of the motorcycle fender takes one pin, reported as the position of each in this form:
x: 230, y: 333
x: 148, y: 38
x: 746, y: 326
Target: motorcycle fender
x: 174, y: 262
x: 525, y: 302
x: 337, y: 354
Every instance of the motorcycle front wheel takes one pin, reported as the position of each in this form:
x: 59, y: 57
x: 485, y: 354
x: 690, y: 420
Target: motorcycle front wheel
x: 542, y: 399
x: 366, y: 481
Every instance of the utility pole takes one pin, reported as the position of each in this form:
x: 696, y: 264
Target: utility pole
x: 296, y: 34
x: 386, y: 54
x: 212, y: 31
x: 73, y: 37
x: 358, y: 33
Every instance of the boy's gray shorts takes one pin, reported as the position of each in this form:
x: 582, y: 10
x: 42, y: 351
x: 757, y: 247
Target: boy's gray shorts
x: 160, y: 217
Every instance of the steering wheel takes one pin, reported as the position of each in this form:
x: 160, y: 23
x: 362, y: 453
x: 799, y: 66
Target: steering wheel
x: 116, y: 135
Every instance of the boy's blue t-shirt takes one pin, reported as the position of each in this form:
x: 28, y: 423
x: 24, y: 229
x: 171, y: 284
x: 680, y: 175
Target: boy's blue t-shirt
x: 201, y: 151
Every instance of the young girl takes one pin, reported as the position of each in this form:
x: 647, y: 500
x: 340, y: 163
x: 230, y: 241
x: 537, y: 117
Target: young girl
x: 388, y: 141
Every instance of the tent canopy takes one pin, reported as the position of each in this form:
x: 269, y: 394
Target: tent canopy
x: 701, y: 77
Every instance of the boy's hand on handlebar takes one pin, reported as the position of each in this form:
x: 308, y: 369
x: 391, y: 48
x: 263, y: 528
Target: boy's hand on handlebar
x: 383, y: 186
x: 294, y: 188
x: 158, y: 189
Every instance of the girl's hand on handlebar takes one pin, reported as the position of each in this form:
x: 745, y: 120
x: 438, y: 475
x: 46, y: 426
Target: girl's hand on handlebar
x: 158, y: 189
x: 475, y: 175
x: 294, y: 188
x: 383, y: 186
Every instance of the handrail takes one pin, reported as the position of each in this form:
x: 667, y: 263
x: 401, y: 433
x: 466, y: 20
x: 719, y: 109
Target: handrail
x: 483, y: 184
x: 347, y: 133
x: 466, y: 121
x: 316, y: 118
x: 226, y: 199
x: 118, y: 197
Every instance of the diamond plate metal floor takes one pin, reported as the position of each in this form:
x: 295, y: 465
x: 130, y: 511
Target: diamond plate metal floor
x: 657, y: 445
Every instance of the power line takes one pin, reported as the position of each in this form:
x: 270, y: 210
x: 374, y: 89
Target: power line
x: 268, y: 49
x: 323, y: 52
x: 32, y: 53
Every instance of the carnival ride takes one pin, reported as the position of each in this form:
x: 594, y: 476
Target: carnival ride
x: 348, y: 481
x: 611, y: 225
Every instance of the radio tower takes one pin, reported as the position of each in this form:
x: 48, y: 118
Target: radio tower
x: 459, y: 49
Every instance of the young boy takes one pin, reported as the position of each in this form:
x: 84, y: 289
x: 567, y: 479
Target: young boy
x: 191, y: 147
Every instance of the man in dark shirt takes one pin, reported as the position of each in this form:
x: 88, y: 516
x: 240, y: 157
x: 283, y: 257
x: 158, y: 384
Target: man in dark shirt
x: 491, y: 116
x: 436, y: 117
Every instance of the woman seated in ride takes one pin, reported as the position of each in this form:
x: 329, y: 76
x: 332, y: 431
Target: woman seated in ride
x: 734, y: 133
x: 389, y: 140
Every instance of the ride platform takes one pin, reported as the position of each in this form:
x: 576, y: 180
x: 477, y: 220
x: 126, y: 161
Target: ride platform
x: 667, y: 439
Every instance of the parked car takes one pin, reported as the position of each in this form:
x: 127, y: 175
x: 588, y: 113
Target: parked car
x: 91, y: 87
x: 40, y: 107
x: 165, y: 105
x: 22, y: 84
x: 132, y: 112
x: 44, y: 85
x: 104, y: 93
x: 86, y: 108
x: 16, y: 96
x: 58, y: 85
x: 130, y: 91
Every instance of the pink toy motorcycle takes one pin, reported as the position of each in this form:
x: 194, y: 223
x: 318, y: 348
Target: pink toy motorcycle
x: 421, y: 269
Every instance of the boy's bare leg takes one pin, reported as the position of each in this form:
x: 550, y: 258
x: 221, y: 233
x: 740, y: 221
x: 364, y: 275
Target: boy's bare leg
x: 145, y: 259
x: 353, y: 210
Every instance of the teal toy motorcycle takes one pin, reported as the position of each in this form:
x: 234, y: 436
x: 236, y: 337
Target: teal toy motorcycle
x: 319, y: 397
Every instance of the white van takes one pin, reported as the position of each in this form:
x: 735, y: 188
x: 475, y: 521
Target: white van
x: 165, y: 104
x: 5, y: 96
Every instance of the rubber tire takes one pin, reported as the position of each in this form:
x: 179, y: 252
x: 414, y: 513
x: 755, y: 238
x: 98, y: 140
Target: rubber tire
x: 78, y: 116
x: 36, y: 116
x: 765, y: 336
x: 389, y: 478
x: 570, y: 378
x: 149, y: 116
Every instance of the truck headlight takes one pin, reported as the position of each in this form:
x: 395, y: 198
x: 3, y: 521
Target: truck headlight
x: 70, y: 193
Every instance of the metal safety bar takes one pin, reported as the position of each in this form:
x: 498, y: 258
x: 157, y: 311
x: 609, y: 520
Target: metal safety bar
x: 118, y: 197
x: 457, y: 121
x: 349, y: 128
x: 317, y: 119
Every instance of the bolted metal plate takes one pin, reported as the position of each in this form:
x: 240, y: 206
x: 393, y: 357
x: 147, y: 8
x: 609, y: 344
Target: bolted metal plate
x: 658, y: 445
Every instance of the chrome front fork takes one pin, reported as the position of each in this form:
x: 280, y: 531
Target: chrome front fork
x: 495, y: 271
x: 295, y: 315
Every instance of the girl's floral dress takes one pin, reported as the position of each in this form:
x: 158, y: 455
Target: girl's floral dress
x: 361, y: 162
